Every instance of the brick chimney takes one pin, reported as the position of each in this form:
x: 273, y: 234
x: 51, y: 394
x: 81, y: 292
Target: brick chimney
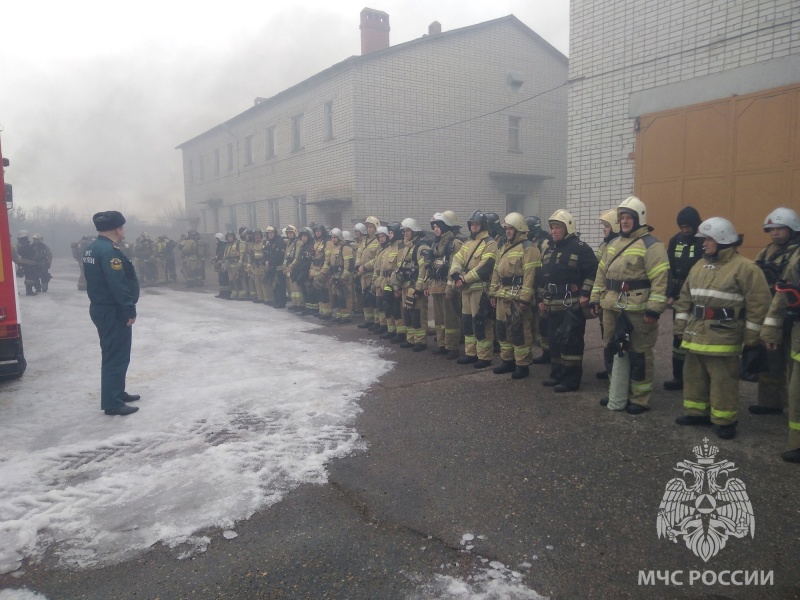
x: 374, y: 30
x: 435, y: 28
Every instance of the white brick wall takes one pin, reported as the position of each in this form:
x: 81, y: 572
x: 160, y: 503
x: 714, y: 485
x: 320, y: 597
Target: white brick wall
x: 620, y: 47
x: 379, y: 158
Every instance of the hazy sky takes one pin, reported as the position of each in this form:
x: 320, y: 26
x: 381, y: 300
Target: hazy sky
x: 94, y: 96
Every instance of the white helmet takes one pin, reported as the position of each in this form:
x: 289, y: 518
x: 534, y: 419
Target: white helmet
x: 374, y: 220
x: 562, y: 216
x: 348, y: 237
x: 220, y: 237
x: 37, y: 236
x: 718, y: 229
x: 411, y: 224
x: 632, y: 204
x: 610, y: 217
x: 336, y: 232
x: 450, y: 218
x: 515, y: 220
x: 361, y: 228
x: 23, y: 233
x: 782, y: 217
x: 383, y: 230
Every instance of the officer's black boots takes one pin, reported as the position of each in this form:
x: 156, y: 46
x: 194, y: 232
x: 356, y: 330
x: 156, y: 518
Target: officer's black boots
x: 792, y: 456
x: 482, y: 364
x: 467, y: 360
x: 520, y: 372
x: 122, y: 410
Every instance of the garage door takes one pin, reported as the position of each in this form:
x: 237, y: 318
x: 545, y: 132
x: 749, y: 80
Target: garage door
x: 737, y: 158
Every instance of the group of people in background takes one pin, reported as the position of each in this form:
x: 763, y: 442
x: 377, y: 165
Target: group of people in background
x: 509, y: 286
x: 33, y: 259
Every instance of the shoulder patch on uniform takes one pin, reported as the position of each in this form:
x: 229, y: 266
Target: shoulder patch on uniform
x: 116, y: 264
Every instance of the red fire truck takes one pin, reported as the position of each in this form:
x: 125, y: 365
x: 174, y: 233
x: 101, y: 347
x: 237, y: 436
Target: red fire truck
x: 12, y: 359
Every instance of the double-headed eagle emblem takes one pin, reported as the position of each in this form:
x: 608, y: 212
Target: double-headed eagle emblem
x: 707, y: 511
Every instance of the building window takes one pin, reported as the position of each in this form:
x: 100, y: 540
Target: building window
x: 270, y: 142
x: 329, y: 120
x: 248, y: 150
x: 230, y: 157
x: 191, y: 171
x: 297, y: 133
x: 275, y: 213
x: 515, y: 203
x: 252, y: 215
x: 200, y: 168
x: 216, y: 162
x: 513, y: 134
x: 232, y: 219
x: 300, y: 210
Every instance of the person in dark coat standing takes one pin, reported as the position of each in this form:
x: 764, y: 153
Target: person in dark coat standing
x: 113, y: 290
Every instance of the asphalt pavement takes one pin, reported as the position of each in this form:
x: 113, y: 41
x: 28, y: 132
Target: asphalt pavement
x: 553, y: 486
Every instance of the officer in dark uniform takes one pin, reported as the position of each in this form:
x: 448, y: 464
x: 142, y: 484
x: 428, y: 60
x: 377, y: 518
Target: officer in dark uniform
x: 113, y: 292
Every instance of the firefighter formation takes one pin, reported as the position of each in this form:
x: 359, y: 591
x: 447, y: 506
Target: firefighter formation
x: 507, y: 285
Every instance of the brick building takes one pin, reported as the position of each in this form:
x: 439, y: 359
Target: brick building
x: 464, y: 119
x: 684, y: 102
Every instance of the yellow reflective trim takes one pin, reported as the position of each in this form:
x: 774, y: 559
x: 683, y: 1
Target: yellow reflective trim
x: 457, y: 330
x: 695, y: 405
x: 658, y: 297
x: 723, y: 414
x: 713, y: 348
x: 657, y: 270
x: 796, y: 356
x: 794, y: 425
x: 634, y: 252
x: 641, y: 387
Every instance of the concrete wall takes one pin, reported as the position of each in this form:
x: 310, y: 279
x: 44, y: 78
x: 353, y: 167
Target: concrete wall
x: 628, y: 57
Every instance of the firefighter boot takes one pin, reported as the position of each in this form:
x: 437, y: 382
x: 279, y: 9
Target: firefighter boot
x: 507, y: 366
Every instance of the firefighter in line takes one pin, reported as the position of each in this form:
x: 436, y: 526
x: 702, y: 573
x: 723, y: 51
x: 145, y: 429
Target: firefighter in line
x: 24, y: 256
x: 357, y: 244
x: 144, y: 251
x: 783, y: 226
x: 255, y: 261
x: 684, y: 250
x: 275, y: 254
x: 77, y: 253
x: 610, y: 225
x: 569, y: 267
x: 538, y: 236
x: 512, y: 295
x: 380, y: 324
x: 446, y: 298
x: 192, y: 265
x: 233, y: 255
x: 320, y: 282
x: 722, y: 306
x: 395, y: 328
x: 223, y: 240
x: 290, y: 253
x: 245, y: 242
x: 471, y: 272
x: 783, y: 316
x: 631, y: 287
x: 411, y: 274
x: 338, y: 268
x: 365, y: 267
x: 301, y: 273
x: 43, y: 259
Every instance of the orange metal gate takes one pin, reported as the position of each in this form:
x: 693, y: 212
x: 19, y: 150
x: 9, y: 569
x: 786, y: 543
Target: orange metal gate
x: 737, y: 158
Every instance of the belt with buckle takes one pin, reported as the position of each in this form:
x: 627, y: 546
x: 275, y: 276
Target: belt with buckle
x: 705, y: 313
x: 616, y: 285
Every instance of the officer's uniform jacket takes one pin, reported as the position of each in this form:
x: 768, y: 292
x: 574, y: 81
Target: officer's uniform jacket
x: 515, y: 271
x: 481, y: 253
x: 444, y: 249
x: 773, y: 328
x: 110, y: 276
x: 775, y: 257
x: 569, y: 268
x: 274, y: 251
x: 722, y: 305
x: 366, y: 258
x: 683, y: 252
x: 410, y: 268
x: 637, y: 280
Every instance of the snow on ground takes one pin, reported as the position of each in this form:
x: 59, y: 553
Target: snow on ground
x: 22, y: 594
x: 240, y: 404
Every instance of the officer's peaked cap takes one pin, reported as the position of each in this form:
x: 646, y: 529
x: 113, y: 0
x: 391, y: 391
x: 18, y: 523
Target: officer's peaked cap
x: 108, y: 220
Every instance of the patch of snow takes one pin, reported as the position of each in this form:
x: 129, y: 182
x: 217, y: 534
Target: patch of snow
x: 23, y: 594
